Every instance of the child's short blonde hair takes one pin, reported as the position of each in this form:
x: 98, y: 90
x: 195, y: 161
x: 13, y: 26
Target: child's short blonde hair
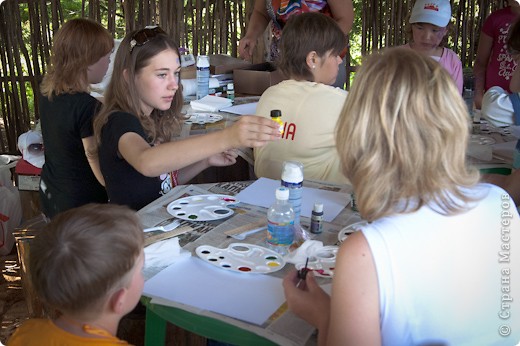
x: 83, y: 255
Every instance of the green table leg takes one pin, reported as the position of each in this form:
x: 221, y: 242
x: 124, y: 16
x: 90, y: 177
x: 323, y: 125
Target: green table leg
x: 155, y: 329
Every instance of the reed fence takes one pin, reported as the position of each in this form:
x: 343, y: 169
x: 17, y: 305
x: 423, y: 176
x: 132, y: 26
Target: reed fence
x: 202, y: 26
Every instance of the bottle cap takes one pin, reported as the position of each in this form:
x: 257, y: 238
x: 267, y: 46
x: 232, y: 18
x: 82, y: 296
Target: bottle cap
x: 202, y: 61
x: 282, y: 193
x: 276, y: 113
x: 230, y: 86
x: 318, y: 207
x: 292, y: 172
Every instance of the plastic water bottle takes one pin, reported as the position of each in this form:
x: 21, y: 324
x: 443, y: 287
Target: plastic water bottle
x: 202, y: 76
x: 468, y: 96
x: 292, y: 178
x: 280, y: 223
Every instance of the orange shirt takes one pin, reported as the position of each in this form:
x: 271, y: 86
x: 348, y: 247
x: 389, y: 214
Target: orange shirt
x: 43, y: 332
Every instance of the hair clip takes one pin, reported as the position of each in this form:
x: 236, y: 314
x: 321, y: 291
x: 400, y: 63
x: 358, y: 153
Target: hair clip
x: 133, y: 43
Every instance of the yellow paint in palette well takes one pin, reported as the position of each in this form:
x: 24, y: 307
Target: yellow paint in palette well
x: 273, y: 264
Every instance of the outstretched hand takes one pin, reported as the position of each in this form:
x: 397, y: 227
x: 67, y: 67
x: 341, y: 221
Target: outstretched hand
x: 253, y: 131
x: 309, y: 301
x: 226, y: 158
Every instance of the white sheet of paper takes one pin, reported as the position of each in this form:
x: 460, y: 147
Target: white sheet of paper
x: 261, y: 193
x: 249, y: 297
x: 243, y: 109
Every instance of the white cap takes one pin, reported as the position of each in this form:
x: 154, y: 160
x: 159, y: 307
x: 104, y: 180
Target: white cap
x: 34, y: 157
x: 318, y: 207
x: 436, y: 12
x: 282, y: 193
x: 292, y: 172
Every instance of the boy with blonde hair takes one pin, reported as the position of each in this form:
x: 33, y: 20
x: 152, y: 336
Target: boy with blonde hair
x: 86, y: 264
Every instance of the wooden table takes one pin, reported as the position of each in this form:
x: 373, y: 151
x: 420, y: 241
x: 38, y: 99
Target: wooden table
x: 213, y: 325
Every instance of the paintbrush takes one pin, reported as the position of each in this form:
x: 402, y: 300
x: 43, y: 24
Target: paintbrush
x: 302, y: 273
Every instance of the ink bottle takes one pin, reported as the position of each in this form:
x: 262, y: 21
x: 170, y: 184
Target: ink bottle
x: 276, y: 115
x: 353, y: 202
x: 231, y: 92
x: 317, y: 218
x: 516, y: 156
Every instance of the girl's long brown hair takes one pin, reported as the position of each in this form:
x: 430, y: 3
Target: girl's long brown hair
x: 122, y: 95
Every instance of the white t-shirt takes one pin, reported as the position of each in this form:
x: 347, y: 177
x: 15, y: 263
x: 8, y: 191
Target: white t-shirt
x: 446, y: 279
x: 497, y: 107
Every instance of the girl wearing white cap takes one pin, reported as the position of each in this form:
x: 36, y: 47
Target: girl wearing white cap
x: 428, y: 28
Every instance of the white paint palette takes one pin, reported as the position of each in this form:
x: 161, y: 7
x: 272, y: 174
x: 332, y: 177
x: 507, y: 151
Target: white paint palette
x: 346, y: 231
x: 482, y: 140
x: 203, y: 118
x: 202, y: 207
x: 322, y: 262
x: 242, y: 258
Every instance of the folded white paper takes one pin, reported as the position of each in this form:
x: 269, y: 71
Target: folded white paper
x: 210, y: 103
x: 164, y: 253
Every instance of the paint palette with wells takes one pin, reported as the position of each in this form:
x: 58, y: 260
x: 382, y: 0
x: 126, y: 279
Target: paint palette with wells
x: 348, y: 230
x: 203, y: 118
x: 322, y: 262
x: 242, y: 258
x: 202, y: 207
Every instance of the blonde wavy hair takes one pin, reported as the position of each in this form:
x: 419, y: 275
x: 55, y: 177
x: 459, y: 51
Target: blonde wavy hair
x: 402, y: 136
x: 122, y: 95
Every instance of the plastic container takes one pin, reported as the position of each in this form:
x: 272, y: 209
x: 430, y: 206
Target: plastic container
x: 292, y: 178
x: 231, y: 91
x: 276, y: 115
x: 468, y: 96
x: 202, y: 76
x: 317, y: 218
x: 280, y: 223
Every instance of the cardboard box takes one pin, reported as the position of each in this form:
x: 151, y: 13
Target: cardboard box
x: 218, y: 64
x: 222, y: 63
x: 189, y: 72
x: 255, y: 79
x: 27, y: 176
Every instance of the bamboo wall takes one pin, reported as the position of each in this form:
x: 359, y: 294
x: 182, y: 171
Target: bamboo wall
x: 383, y: 25
x: 202, y: 26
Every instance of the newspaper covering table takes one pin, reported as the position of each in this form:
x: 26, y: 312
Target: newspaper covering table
x: 282, y: 327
